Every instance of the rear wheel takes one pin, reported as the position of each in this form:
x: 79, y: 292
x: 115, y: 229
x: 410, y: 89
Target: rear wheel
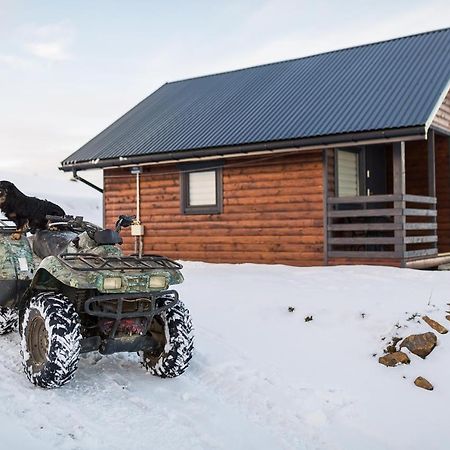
x: 172, y: 329
x: 8, y: 320
x: 50, y: 340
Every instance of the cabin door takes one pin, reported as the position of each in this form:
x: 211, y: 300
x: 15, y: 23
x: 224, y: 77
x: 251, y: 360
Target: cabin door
x: 375, y: 170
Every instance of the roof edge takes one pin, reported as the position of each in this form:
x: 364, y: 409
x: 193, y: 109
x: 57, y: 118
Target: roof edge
x: 396, y: 134
x: 312, y: 55
x: 436, y: 107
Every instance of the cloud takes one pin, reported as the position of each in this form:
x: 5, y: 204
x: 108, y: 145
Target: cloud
x: 14, y: 62
x: 49, y: 42
x: 53, y: 51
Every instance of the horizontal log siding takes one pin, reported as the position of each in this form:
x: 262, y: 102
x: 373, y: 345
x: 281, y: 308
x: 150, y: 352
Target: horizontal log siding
x: 272, y: 212
x: 442, y: 118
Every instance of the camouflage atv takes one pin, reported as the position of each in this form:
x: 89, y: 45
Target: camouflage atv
x: 73, y: 291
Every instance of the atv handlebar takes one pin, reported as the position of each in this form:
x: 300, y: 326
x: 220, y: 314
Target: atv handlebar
x: 78, y: 224
x: 72, y: 223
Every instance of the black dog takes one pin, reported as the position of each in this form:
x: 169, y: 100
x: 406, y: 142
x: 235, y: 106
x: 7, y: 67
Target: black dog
x: 26, y: 212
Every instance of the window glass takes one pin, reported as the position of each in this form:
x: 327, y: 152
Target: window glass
x: 202, y: 188
x: 348, y: 173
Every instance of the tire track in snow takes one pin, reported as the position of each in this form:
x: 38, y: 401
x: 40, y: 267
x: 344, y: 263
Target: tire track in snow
x: 113, y: 404
x: 295, y: 416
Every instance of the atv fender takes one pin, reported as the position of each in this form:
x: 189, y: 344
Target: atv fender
x: 16, y: 267
x: 52, y: 267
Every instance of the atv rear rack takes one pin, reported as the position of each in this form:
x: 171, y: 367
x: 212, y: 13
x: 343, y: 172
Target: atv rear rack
x: 89, y: 262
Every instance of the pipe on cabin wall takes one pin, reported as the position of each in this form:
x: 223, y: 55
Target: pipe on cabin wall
x: 138, y: 240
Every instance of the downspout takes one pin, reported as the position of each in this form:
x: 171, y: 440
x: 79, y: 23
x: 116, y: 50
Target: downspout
x: 76, y: 177
x: 138, y: 240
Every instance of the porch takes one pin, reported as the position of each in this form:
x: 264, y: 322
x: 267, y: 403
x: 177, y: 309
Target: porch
x: 398, y: 223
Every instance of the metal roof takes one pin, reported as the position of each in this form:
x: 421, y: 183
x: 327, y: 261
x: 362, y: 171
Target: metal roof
x: 386, y: 85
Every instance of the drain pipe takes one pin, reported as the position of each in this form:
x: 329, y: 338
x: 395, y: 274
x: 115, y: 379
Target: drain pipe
x: 76, y: 177
x: 137, y: 229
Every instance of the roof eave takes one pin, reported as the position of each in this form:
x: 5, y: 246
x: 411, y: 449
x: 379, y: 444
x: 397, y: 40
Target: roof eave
x: 337, y: 140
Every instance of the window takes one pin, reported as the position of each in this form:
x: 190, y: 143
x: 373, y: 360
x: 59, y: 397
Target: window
x: 348, y: 177
x: 201, y: 188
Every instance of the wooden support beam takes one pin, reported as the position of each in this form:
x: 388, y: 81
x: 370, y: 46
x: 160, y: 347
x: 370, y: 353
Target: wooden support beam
x: 398, y: 168
x: 325, y: 206
x: 399, y: 188
x: 431, y: 164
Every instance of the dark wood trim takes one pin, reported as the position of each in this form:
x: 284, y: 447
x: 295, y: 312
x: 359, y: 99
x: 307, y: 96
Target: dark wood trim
x: 367, y: 212
x: 440, y: 130
x: 420, y: 239
x: 399, y: 188
x: 420, y: 212
x: 380, y: 231
x: 398, y: 166
x: 362, y: 255
x: 417, y: 253
x: 421, y: 226
x: 365, y: 199
x: 431, y: 164
x: 185, y: 170
x: 420, y: 199
x: 382, y: 240
x: 325, y: 205
x: 364, y: 226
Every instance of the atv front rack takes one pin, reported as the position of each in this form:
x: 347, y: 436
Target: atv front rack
x: 147, y: 308
x: 89, y: 262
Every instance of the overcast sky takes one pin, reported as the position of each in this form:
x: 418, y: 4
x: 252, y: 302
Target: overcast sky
x: 69, y: 68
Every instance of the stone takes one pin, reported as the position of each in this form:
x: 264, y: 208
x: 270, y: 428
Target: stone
x: 435, y: 325
x: 447, y: 317
x: 423, y: 383
x: 393, y: 359
x: 420, y: 344
x: 392, y: 346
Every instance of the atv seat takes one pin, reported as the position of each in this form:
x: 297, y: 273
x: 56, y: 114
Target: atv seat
x: 52, y: 243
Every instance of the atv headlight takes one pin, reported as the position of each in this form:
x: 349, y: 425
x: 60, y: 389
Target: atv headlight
x: 158, y: 282
x: 112, y: 283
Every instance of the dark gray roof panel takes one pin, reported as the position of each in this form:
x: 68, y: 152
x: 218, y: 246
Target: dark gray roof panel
x: 386, y: 85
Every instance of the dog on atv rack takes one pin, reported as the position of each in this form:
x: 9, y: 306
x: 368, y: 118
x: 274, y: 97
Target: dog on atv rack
x: 28, y: 213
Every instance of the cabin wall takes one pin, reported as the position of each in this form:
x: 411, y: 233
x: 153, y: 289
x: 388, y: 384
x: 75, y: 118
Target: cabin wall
x: 417, y: 182
x: 272, y: 212
x: 442, y: 117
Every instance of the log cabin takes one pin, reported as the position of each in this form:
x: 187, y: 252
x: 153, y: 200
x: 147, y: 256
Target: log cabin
x: 337, y: 158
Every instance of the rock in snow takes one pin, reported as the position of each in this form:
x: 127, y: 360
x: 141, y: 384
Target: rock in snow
x: 420, y: 344
x: 435, y: 325
x: 393, y: 359
x: 423, y: 383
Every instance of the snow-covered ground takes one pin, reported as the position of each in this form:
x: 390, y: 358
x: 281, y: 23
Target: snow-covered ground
x: 261, y: 377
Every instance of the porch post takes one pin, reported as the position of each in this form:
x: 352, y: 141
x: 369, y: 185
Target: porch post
x: 399, y: 188
x: 431, y: 164
x: 325, y: 205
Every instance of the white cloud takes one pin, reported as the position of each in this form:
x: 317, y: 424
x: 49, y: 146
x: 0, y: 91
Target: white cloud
x: 14, y: 62
x: 53, y: 51
x: 49, y: 42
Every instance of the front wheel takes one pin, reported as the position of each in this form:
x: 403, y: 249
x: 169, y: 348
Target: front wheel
x: 8, y: 320
x: 50, y: 340
x: 172, y: 329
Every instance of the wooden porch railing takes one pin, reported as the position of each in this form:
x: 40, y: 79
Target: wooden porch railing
x: 382, y: 226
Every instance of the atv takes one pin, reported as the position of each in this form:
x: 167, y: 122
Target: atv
x: 71, y: 290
